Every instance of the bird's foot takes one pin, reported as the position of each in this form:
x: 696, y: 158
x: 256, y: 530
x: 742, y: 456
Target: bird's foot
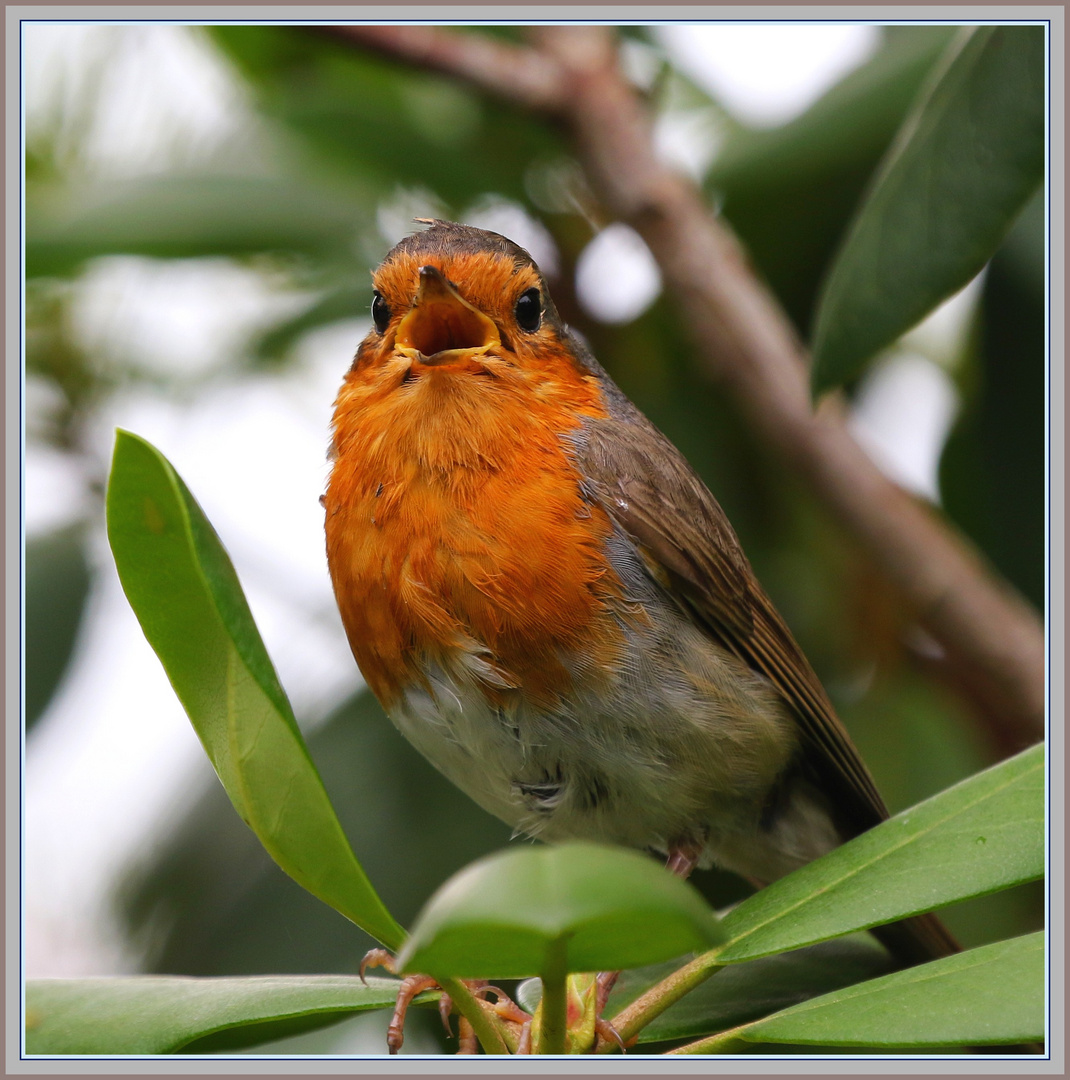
x: 412, y: 985
x: 683, y: 857
x: 586, y: 1026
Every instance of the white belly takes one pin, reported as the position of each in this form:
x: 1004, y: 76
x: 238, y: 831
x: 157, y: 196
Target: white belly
x: 649, y: 761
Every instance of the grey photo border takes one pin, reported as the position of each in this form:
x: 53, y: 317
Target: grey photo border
x: 633, y: 1065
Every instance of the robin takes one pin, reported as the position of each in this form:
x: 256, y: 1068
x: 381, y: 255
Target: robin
x: 551, y: 605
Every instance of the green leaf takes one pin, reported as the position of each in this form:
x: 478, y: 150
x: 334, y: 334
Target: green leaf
x: 993, y: 995
x: 515, y: 913
x: 965, y: 163
x: 172, y: 1014
x: 982, y: 835
x: 186, y: 595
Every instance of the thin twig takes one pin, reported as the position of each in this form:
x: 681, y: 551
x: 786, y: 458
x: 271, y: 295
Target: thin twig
x: 749, y: 346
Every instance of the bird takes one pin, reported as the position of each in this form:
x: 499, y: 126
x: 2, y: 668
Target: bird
x: 551, y: 605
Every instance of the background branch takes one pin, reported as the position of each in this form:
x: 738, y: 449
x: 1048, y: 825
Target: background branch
x: 992, y: 642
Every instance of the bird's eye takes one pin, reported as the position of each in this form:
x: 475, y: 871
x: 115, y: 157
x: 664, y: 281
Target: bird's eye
x: 528, y: 310
x: 380, y: 311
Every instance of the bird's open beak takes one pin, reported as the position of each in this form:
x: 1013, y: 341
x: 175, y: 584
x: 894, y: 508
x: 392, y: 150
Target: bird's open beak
x: 441, y: 326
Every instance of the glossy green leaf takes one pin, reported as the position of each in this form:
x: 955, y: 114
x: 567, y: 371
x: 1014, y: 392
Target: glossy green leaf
x: 964, y: 165
x: 517, y: 912
x: 174, y: 1014
x: 984, y: 834
x: 993, y: 995
x: 187, y: 597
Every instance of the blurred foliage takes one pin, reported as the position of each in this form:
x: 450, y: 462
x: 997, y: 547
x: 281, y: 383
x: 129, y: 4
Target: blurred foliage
x: 54, y: 353
x: 992, y: 470
x: 369, y: 126
x: 57, y: 584
x: 353, y: 141
x: 175, y: 217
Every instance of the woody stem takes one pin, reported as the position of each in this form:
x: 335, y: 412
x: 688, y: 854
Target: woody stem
x: 631, y: 1020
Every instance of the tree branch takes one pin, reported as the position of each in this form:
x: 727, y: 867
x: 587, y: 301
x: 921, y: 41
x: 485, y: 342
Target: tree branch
x: 523, y: 76
x: 989, y: 635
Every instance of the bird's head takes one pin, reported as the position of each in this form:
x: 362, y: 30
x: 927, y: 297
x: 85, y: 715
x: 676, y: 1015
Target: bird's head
x: 457, y: 298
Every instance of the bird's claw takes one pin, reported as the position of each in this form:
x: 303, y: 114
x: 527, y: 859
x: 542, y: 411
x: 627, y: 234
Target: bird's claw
x: 445, y: 1007
x: 410, y: 986
x: 504, y: 1006
x: 607, y: 1032
x: 377, y: 958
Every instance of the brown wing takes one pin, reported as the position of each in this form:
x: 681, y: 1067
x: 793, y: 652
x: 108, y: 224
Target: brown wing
x: 645, y: 484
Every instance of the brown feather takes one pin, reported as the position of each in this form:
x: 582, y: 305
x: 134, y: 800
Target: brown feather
x: 655, y: 496
x: 649, y: 489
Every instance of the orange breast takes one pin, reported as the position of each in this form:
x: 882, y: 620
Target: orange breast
x: 455, y: 523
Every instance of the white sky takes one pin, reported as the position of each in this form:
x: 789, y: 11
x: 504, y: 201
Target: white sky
x: 115, y: 755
